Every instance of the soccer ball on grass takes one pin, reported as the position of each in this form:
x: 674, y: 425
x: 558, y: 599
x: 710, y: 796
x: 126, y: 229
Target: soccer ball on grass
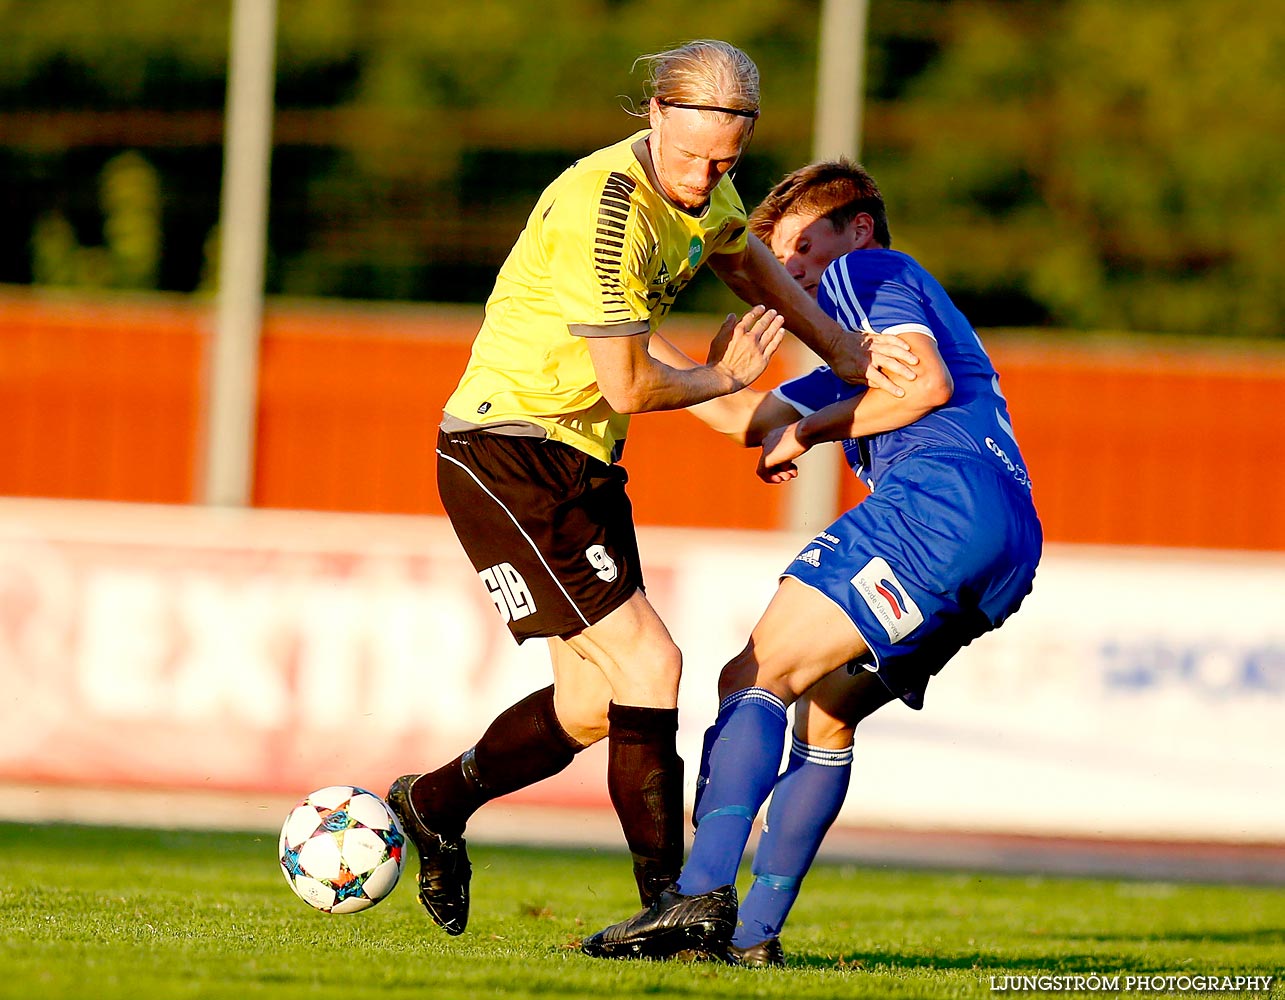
x: 341, y: 849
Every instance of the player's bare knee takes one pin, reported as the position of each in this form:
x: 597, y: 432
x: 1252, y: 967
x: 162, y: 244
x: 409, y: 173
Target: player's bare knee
x: 583, y: 718
x: 746, y: 670
x: 820, y: 730
x: 739, y: 673
x: 586, y: 730
x: 650, y: 677
x: 664, y: 666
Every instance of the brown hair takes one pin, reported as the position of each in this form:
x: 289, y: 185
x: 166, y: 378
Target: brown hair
x: 837, y: 190
x: 707, y: 73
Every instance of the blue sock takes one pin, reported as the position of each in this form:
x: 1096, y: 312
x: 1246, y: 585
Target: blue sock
x: 744, y: 754
x: 805, y: 802
x: 702, y: 771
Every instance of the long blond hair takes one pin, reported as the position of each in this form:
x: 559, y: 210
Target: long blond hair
x: 705, y: 73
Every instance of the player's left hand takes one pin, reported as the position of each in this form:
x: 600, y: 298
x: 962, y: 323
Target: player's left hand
x: 742, y: 348
x: 781, y: 446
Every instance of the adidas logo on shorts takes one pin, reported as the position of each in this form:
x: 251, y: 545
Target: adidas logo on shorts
x: 812, y: 557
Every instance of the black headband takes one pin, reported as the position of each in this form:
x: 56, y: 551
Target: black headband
x: 739, y: 112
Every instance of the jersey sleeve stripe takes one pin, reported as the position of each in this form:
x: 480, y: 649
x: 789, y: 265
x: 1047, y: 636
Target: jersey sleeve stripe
x: 900, y: 328
x: 614, y: 330
x: 608, y: 253
x: 850, y: 295
x: 843, y: 314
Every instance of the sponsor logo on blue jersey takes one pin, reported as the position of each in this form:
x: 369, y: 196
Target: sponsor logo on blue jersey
x: 889, y: 592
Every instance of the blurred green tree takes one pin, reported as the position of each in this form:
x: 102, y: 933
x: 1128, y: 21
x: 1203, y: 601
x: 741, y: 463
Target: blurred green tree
x: 1078, y: 162
x: 129, y: 195
x: 1119, y: 164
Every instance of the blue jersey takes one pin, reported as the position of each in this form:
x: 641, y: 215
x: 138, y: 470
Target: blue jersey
x: 883, y: 291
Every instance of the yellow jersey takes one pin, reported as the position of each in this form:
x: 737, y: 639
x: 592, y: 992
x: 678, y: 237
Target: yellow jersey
x: 604, y: 254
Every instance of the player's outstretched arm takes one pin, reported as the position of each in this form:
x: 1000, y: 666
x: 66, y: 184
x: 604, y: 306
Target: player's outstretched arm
x: 759, y: 412
x: 633, y: 381
x: 743, y: 416
x: 869, y: 413
x: 881, y: 361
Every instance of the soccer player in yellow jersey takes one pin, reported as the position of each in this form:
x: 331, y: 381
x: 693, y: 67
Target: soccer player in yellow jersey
x: 530, y: 438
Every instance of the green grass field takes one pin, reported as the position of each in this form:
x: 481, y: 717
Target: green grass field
x: 98, y: 913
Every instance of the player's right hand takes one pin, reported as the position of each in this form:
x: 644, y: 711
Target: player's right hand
x: 781, y: 446
x: 871, y: 358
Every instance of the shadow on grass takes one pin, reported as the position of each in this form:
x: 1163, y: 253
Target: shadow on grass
x: 978, y: 963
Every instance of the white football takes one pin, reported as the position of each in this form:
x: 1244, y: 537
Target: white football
x: 341, y: 849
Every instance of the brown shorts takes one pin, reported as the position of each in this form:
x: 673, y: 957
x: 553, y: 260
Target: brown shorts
x: 548, y: 528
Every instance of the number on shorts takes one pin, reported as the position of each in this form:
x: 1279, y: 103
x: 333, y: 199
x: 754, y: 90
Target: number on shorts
x: 602, y: 562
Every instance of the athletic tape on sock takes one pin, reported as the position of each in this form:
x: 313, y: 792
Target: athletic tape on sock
x: 777, y: 883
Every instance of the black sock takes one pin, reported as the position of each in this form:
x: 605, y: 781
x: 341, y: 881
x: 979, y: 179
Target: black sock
x: 645, y: 781
x: 524, y: 744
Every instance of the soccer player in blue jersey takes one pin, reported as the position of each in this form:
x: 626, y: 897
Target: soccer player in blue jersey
x: 942, y: 551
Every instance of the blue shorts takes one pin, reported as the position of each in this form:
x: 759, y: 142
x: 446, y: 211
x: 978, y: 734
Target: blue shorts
x: 942, y: 552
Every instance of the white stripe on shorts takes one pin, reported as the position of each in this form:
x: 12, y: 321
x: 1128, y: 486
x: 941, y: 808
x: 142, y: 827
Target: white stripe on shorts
x: 517, y: 524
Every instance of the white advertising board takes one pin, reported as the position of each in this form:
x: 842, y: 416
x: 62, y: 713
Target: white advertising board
x: 1137, y: 693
